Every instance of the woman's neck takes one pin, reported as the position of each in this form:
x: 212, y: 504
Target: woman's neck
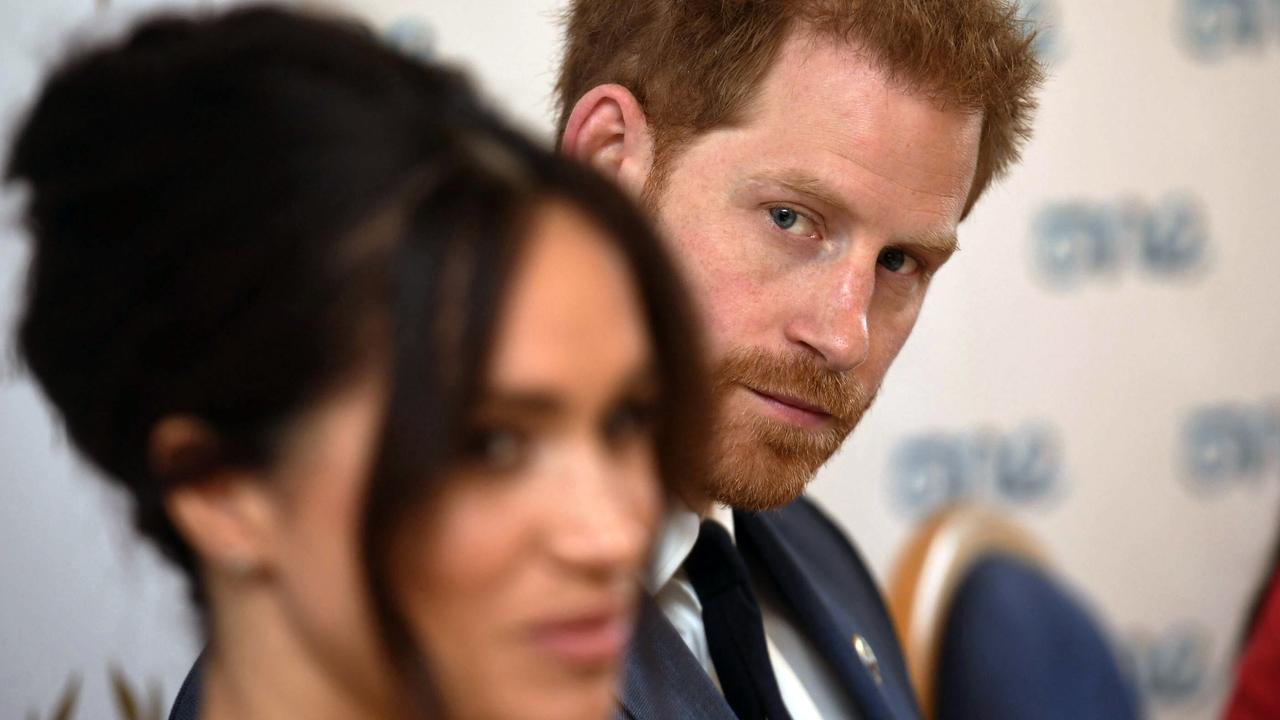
x: 257, y: 666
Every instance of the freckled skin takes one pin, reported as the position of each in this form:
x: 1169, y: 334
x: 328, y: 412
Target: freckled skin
x: 882, y: 169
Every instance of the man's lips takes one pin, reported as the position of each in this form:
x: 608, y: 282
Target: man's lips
x: 793, y: 409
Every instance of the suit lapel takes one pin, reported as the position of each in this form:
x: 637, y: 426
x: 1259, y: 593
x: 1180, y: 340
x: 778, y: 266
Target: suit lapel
x: 831, y: 633
x: 662, y: 680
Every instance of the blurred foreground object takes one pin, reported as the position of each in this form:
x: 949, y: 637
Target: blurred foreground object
x: 129, y: 700
x: 1257, y: 690
x: 989, y: 633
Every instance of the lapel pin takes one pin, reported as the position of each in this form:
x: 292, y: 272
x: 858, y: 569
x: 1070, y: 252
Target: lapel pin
x: 867, y: 656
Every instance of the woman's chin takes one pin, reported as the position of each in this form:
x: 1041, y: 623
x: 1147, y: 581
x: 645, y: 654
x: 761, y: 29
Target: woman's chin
x: 593, y: 698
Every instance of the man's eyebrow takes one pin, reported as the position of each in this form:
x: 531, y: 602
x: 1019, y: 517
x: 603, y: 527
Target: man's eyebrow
x: 804, y: 183
x: 939, y: 242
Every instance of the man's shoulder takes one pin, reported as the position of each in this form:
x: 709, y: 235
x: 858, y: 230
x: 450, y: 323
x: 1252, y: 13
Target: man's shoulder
x: 803, y: 516
x: 830, y: 563
x: 818, y: 540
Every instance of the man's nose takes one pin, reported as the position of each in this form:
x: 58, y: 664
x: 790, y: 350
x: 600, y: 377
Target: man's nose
x: 830, y: 320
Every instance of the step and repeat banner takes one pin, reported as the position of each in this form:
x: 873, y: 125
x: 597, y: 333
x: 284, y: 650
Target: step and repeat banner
x: 1101, y: 362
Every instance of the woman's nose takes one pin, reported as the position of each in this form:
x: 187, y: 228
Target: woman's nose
x: 603, y: 520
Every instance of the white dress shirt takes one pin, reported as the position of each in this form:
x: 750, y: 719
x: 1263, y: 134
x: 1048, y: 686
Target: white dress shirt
x: 810, y: 690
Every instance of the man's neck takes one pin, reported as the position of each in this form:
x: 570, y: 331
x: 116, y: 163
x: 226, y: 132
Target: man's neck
x: 697, y: 502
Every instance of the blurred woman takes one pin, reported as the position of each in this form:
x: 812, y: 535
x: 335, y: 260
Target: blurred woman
x: 398, y: 390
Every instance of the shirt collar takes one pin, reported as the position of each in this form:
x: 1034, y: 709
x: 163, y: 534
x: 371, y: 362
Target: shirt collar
x: 676, y: 539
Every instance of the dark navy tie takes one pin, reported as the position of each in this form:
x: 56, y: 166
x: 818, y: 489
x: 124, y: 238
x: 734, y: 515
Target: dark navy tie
x: 735, y: 630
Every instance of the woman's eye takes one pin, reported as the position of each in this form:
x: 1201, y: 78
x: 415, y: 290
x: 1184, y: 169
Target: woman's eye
x: 627, y: 421
x: 495, y: 448
x: 897, y: 261
x: 792, y: 221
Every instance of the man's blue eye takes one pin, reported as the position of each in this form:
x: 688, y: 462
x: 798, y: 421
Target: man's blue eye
x: 893, y: 259
x: 783, y: 217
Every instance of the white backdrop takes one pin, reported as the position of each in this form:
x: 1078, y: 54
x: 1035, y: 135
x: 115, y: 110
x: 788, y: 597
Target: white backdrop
x: 1099, y: 361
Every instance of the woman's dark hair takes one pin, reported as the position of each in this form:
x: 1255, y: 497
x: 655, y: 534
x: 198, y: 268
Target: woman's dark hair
x: 232, y: 214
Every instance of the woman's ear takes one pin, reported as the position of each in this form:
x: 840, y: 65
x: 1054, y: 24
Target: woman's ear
x: 223, y: 512
x: 608, y: 131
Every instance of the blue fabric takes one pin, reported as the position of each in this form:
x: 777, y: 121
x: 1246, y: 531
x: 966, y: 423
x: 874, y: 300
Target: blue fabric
x: 1017, y: 646
x: 187, y: 705
x: 831, y: 595
x: 662, y: 680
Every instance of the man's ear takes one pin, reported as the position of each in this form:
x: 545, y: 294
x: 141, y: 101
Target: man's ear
x: 225, y: 513
x: 608, y: 130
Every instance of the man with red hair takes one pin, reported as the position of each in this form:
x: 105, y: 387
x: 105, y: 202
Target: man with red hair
x: 809, y: 162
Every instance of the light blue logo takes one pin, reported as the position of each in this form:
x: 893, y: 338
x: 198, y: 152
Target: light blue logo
x: 1214, y: 29
x: 1229, y: 445
x: 1171, y: 667
x: 931, y: 470
x: 1043, y: 16
x: 1076, y: 241
x: 412, y: 36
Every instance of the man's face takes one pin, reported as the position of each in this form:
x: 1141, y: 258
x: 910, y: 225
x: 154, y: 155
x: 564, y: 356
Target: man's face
x: 808, y: 233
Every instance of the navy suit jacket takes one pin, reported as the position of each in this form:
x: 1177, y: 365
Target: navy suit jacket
x: 829, y: 593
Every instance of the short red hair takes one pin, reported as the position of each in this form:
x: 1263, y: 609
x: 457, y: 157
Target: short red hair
x: 696, y: 64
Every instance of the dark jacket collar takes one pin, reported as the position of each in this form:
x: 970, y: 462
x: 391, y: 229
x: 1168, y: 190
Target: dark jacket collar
x: 662, y: 680
x: 830, y: 631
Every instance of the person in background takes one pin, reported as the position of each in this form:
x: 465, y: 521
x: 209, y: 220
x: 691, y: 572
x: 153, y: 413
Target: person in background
x: 1256, y: 694
x: 401, y: 393
x: 808, y: 163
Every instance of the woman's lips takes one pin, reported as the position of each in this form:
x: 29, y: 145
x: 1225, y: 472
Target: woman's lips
x: 585, y: 640
x: 793, y: 410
